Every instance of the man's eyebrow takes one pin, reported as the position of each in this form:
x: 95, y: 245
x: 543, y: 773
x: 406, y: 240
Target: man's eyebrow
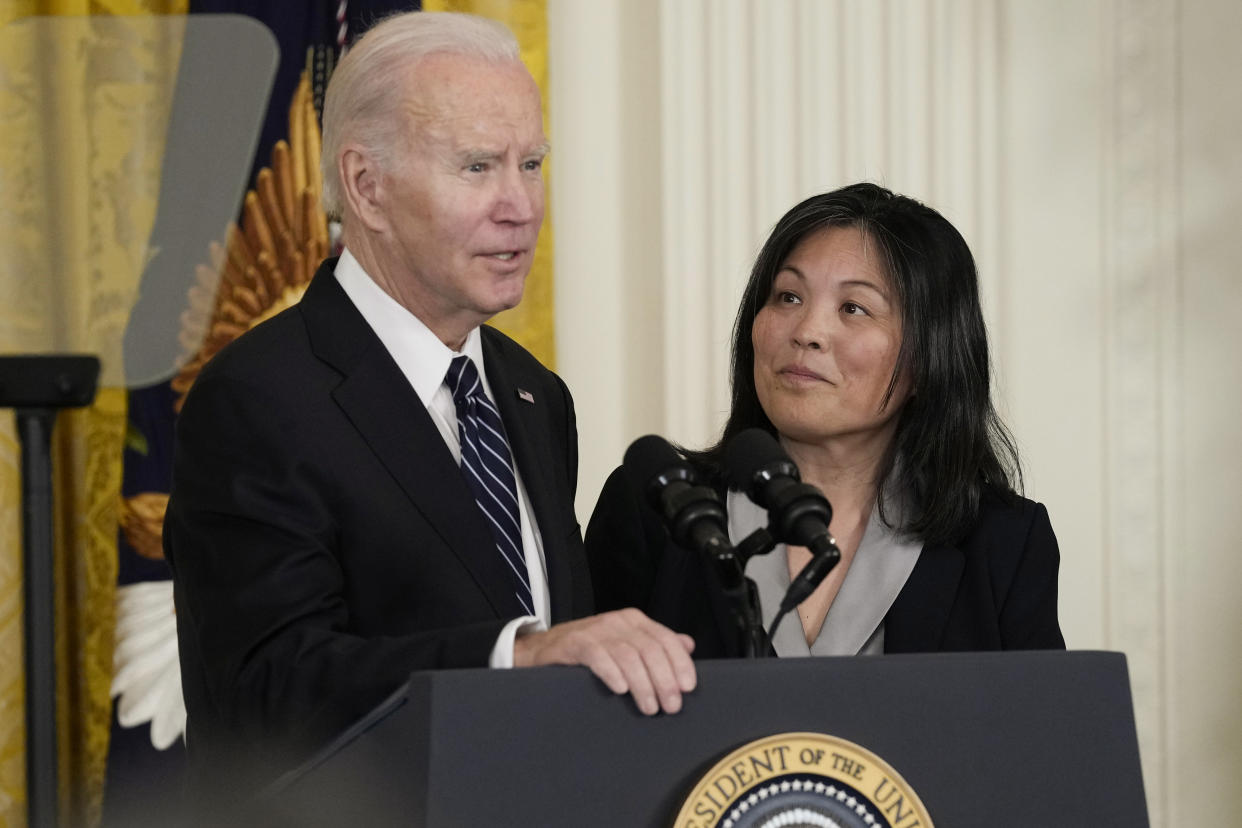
x: 470, y: 155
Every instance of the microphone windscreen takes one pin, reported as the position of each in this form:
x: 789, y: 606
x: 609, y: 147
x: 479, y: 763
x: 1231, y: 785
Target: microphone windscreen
x: 649, y: 457
x: 749, y: 452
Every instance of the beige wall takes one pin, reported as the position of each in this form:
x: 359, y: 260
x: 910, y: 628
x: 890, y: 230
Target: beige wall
x: 1090, y: 153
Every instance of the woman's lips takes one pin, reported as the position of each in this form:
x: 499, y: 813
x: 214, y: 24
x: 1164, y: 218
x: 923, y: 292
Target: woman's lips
x: 799, y: 372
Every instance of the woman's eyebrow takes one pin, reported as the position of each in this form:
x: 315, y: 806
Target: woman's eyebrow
x: 866, y: 283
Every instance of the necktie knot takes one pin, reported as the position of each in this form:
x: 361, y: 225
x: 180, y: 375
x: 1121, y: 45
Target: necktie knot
x: 463, y: 379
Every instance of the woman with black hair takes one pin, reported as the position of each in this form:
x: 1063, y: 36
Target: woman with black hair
x: 860, y: 345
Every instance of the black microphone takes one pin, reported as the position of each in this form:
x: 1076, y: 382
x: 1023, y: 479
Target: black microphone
x: 798, y: 512
x: 694, y: 515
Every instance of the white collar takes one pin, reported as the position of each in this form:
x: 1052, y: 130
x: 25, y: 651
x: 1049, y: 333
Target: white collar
x: 419, y: 353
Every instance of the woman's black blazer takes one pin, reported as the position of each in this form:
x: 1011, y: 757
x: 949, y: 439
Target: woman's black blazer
x: 995, y: 589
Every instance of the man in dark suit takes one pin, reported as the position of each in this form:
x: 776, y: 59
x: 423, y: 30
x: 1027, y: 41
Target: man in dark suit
x: 372, y: 483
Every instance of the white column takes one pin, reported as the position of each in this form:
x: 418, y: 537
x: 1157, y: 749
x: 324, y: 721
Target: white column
x: 605, y: 209
x: 1202, y: 362
x: 1141, y: 325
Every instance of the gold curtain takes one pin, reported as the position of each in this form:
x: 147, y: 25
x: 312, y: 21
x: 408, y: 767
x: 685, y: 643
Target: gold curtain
x: 532, y: 323
x: 78, y: 185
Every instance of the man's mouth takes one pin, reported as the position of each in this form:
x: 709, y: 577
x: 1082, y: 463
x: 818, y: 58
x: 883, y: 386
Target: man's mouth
x: 504, y: 257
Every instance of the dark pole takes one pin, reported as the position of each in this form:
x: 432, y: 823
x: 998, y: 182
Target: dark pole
x: 37, y: 387
x: 34, y: 426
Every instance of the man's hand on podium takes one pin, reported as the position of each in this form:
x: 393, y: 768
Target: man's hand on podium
x: 628, y: 651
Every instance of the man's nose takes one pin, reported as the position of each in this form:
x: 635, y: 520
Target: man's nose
x: 520, y: 197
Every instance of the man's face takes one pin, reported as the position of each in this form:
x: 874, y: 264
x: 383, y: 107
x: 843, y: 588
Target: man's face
x: 464, y: 199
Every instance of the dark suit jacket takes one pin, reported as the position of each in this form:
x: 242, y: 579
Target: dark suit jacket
x: 323, y: 541
x: 996, y: 589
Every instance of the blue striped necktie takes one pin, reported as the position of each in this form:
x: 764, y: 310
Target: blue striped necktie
x: 488, y: 468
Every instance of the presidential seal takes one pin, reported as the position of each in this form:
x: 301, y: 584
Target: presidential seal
x: 792, y: 780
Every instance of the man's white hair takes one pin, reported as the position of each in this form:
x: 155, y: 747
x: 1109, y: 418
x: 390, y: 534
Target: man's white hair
x: 363, y: 94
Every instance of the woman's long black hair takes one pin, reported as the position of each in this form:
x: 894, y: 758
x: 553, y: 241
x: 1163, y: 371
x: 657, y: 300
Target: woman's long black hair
x: 949, y: 439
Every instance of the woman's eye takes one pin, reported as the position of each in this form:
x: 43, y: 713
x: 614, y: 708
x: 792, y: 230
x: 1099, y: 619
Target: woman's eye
x: 785, y: 297
x: 854, y: 309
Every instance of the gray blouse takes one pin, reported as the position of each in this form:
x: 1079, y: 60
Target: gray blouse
x: 855, y: 621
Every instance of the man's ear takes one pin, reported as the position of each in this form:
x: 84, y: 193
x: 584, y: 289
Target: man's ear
x: 362, y: 188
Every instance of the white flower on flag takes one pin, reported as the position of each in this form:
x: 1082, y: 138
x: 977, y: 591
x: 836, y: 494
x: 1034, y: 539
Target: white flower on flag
x: 146, y: 673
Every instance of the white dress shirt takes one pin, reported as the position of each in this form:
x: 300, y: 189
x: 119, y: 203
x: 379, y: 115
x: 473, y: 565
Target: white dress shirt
x: 424, y: 360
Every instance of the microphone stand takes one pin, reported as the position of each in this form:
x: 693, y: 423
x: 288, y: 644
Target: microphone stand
x: 744, y: 600
x: 744, y: 597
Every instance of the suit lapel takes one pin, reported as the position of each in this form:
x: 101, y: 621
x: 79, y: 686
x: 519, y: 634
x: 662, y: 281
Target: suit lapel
x: 526, y: 429
x: 917, y: 620
x: 379, y: 402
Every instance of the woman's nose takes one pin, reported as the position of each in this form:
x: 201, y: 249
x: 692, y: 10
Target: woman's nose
x: 810, y: 333
x: 809, y: 343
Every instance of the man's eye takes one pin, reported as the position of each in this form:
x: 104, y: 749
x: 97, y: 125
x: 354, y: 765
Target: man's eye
x: 477, y: 167
x: 533, y: 165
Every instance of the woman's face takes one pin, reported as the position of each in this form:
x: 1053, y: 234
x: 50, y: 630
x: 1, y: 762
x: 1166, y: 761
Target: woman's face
x: 826, y: 341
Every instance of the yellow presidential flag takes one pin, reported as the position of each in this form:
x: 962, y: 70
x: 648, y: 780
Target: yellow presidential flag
x: 102, y: 206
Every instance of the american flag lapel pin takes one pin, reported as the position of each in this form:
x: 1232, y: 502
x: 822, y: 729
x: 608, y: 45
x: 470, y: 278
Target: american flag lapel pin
x: 526, y: 396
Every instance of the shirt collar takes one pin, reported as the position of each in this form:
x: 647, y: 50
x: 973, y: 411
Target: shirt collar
x: 419, y: 353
